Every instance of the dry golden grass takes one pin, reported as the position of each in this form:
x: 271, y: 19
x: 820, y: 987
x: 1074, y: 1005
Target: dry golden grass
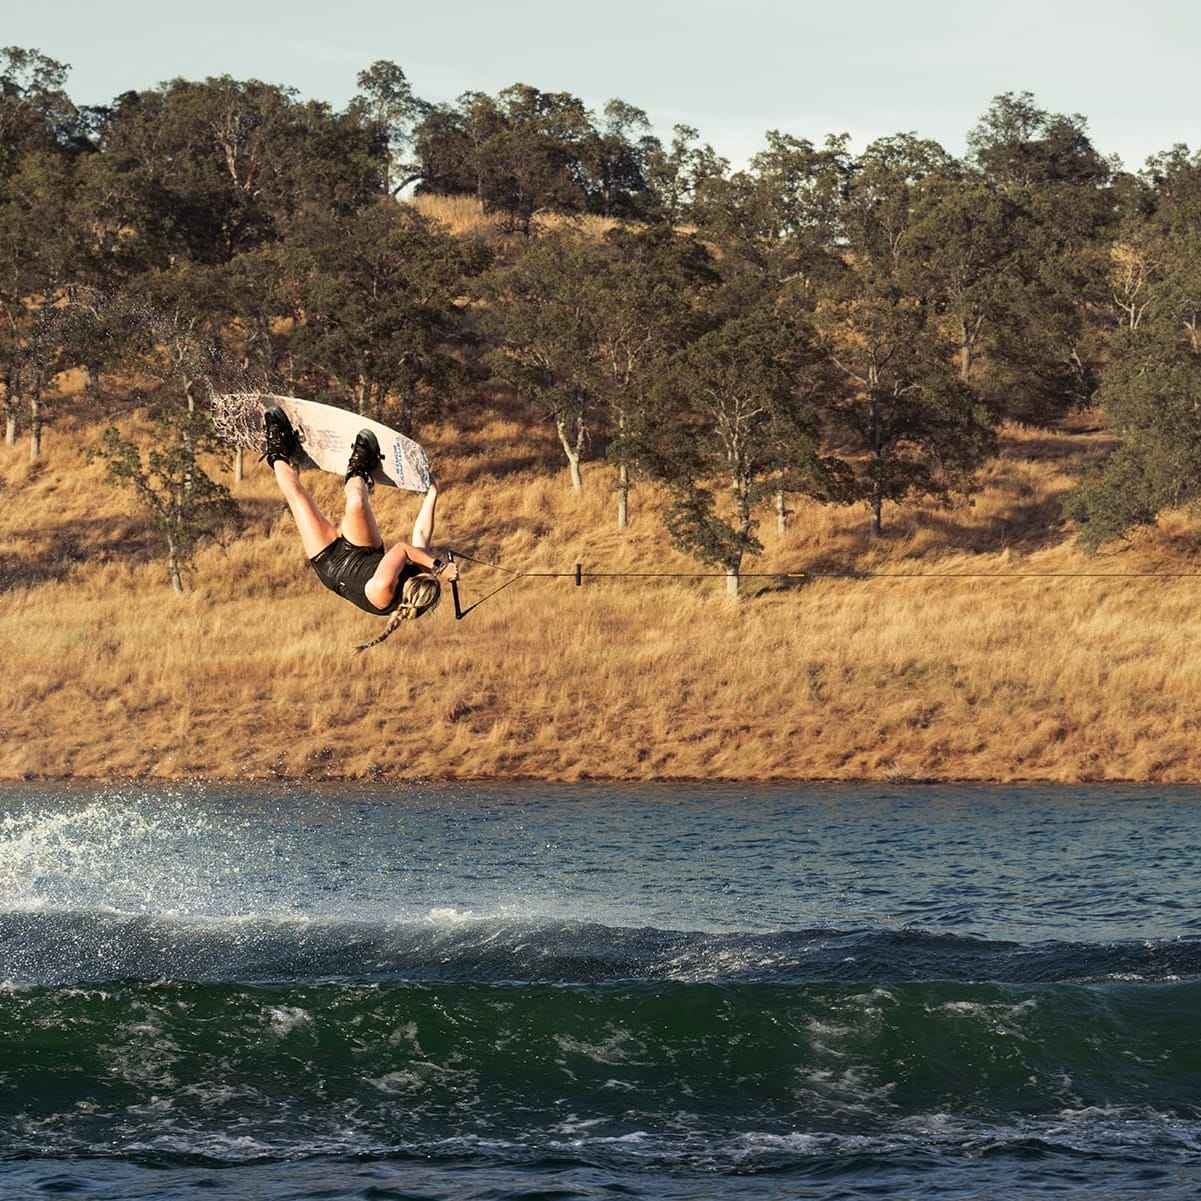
x: 462, y: 216
x: 969, y: 643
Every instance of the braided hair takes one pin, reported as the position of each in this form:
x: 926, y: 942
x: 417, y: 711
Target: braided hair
x: 419, y: 595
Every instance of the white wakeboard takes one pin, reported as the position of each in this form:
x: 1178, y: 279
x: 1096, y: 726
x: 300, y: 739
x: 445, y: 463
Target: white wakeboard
x: 326, y: 435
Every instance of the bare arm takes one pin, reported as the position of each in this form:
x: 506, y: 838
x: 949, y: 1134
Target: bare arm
x: 381, y: 588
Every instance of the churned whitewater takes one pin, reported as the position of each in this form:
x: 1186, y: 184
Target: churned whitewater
x: 588, y: 992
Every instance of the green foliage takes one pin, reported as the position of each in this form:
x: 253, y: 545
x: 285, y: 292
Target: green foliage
x: 1043, y: 349
x: 692, y: 523
x: 1138, y: 481
x: 35, y: 347
x: 645, y: 301
x: 525, y: 151
x: 517, y: 153
x: 781, y: 215
x: 181, y: 503
x: 614, y: 162
x: 387, y: 107
x: 374, y: 296
x: 539, y: 317
x: 1152, y: 399
x: 878, y: 313
x: 902, y: 419
x: 582, y: 327
x: 1151, y: 391
x: 36, y: 114
x: 905, y: 424
x: 734, y: 417
x: 1020, y: 145
x: 679, y: 175
x: 208, y: 171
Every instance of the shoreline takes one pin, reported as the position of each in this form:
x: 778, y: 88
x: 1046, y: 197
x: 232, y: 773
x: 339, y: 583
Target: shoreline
x: 387, y: 779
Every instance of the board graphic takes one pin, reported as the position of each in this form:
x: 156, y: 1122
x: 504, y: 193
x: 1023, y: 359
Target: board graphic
x: 326, y: 436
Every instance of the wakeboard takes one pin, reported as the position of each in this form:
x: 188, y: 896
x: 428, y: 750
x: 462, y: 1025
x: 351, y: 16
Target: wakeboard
x: 326, y: 435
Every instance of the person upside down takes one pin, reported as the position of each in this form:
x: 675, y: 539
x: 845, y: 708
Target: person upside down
x: 401, y: 583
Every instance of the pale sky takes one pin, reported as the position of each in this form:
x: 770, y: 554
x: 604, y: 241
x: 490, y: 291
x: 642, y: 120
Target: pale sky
x: 733, y: 69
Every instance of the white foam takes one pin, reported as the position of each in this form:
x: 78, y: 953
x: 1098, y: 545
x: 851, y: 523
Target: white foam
x: 286, y: 1018
x: 449, y: 916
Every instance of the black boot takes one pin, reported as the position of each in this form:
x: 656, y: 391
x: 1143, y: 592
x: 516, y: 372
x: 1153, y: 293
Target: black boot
x: 280, y: 437
x: 364, y: 457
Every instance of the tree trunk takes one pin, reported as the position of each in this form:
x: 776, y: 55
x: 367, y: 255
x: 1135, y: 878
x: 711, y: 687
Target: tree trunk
x: 968, y: 337
x: 173, y: 566
x: 35, y: 428
x: 878, y: 465
x: 10, y: 429
x: 732, y: 582
x: 781, y: 512
x: 573, y: 449
x: 239, y: 465
x: 965, y: 352
x: 623, y: 496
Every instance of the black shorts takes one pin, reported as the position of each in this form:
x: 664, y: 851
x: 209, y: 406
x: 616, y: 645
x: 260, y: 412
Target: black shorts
x: 346, y: 569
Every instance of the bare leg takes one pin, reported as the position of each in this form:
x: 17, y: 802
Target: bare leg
x: 316, y: 530
x: 423, y: 527
x: 359, y: 526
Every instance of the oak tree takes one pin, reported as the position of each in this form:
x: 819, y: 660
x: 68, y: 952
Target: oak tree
x: 182, y: 504
x: 1151, y: 390
x: 374, y: 300
x: 735, y: 419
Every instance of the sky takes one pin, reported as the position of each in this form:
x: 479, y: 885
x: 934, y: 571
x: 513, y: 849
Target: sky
x: 732, y: 69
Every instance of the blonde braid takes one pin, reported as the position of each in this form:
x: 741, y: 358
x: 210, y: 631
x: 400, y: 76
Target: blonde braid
x: 421, y: 594
x: 405, y: 611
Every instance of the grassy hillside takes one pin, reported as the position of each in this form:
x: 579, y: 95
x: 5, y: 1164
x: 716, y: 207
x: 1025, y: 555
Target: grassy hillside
x: 970, y: 643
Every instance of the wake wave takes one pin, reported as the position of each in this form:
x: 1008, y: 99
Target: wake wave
x: 63, y: 948
x: 385, y: 1068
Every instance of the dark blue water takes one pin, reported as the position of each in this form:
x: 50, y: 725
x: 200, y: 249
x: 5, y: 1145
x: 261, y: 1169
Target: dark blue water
x: 589, y: 992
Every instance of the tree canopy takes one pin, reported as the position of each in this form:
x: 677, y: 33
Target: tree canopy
x: 854, y: 324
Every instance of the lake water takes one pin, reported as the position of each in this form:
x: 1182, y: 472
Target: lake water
x: 498, y: 992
